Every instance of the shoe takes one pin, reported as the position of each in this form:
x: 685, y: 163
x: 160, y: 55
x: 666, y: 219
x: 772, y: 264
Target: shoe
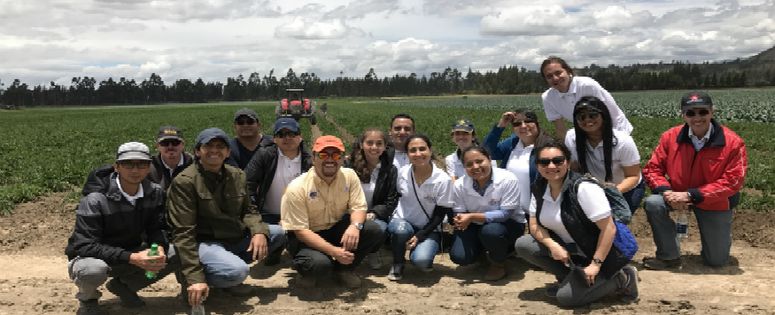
x: 348, y: 279
x: 129, y: 298
x: 273, y: 258
x: 551, y: 290
x: 240, y: 290
x: 630, y: 288
x: 396, y: 272
x: 375, y: 260
x: 654, y: 263
x: 496, y: 272
x: 90, y: 307
x: 306, y: 282
x: 426, y: 269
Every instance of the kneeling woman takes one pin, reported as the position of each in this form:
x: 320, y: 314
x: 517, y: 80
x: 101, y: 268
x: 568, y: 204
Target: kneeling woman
x: 426, y: 197
x: 572, y: 238
x: 488, y: 217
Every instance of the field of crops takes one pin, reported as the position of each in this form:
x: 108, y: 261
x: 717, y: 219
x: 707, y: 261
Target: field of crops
x: 52, y: 149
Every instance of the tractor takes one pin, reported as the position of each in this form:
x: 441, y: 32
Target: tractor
x: 296, y: 106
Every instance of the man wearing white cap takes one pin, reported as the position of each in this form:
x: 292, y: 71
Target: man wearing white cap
x: 107, y: 238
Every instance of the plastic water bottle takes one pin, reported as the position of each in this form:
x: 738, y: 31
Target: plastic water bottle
x: 681, y: 225
x: 198, y: 309
x: 154, y: 251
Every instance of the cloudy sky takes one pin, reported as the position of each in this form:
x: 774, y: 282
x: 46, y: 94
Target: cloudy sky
x: 54, y: 40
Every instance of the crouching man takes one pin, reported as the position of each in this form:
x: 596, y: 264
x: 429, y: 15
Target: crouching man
x: 107, y: 240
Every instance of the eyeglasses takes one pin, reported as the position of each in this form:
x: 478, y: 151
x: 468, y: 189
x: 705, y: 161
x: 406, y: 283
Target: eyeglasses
x: 141, y: 165
x: 336, y: 156
x: 245, y: 121
x: 285, y: 134
x: 170, y: 142
x: 701, y: 112
x: 557, y: 160
x: 585, y: 116
x: 518, y: 123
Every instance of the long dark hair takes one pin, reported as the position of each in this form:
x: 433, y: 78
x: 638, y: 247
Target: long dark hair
x: 434, y: 157
x: 540, y: 180
x: 358, y: 157
x: 609, y: 140
x: 542, y: 137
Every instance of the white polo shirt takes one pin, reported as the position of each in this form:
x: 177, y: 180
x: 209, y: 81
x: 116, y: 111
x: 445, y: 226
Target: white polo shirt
x: 400, y: 159
x: 502, y: 194
x: 624, y: 153
x: 436, y: 190
x: 287, y: 170
x: 454, y: 165
x: 560, y: 105
x: 519, y: 165
x: 591, y: 198
x: 368, y: 188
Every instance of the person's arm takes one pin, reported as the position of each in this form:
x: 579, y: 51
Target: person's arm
x: 542, y: 236
x: 253, y: 174
x: 604, y: 242
x: 730, y: 182
x: 89, y: 231
x: 314, y: 241
x: 559, y: 128
x: 499, y: 150
x: 656, y: 168
x: 385, y: 210
x: 155, y: 225
x: 631, y: 178
x: 182, y: 216
x: 439, y: 212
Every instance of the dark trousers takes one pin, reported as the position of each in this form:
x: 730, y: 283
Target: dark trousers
x: 635, y: 196
x: 311, y: 262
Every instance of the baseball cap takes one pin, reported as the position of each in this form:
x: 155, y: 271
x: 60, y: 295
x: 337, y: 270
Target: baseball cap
x: 168, y: 132
x: 246, y: 112
x: 694, y: 99
x: 209, y: 134
x: 463, y: 125
x: 323, y: 142
x: 286, y: 123
x: 133, y: 151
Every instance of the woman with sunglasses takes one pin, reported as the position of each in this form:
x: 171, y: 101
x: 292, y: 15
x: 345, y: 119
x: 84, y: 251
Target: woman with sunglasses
x: 565, y: 89
x: 426, y: 197
x: 464, y: 136
x: 571, y: 237
x: 516, y: 152
x: 374, y: 166
x: 608, y: 154
x: 488, y: 217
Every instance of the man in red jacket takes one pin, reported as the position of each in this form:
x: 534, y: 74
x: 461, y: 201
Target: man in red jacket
x: 697, y: 166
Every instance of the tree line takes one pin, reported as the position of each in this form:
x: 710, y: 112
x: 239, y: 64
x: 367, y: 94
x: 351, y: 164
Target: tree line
x: 505, y: 80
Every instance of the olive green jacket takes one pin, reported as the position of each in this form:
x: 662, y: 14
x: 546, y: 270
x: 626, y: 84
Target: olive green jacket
x: 204, y: 206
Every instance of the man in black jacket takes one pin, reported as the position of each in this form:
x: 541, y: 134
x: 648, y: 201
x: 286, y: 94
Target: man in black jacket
x: 271, y: 170
x: 108, y: 236
x: 248, y: 140
x: 172, y: 159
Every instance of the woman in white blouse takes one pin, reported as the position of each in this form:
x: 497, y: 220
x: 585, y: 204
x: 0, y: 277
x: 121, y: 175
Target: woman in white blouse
x: 464, y: 136
x: 426, y: 197
x: 572, y: 238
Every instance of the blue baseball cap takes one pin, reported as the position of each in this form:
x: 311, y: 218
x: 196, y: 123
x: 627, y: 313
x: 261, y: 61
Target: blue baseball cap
x: 209, y: 134
x: 286, y: 123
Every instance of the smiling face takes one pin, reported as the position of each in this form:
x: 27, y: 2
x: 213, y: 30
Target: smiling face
x: 132, y: 172
x: 400, y: 130
x: 698, y: 118
x: 590, y: 121
x: 557, y: 77
x: 478, y: 166
x: 246, y: 127
x: 287, y: 141
x: 373, y: 145
x: 552, y: 164
x: 327, y: 162
x: 462, y: 139
x: 170, y: 150
x: 526, y: 129
x: 419, y: 152
x: 212, y: 154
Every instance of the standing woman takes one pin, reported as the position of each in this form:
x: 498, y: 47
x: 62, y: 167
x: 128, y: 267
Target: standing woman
x: 516, y: 152
x: 488, y: 217
x: 464, y: 136
x: 572, y: 238
x: 609, y: 155
x: 565, y: 89
x: 374, y: 166
x: 426, y: 197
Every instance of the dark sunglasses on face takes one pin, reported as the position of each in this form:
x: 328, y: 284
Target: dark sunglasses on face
x: 285, y: 134
x: 245, y: 121
x: 701, y: 112
x: 585, y: 116
x: 336, y: 156
x: 557, y: 160
x: 518, y: 123
x: 135, y: 164
x: 170, y: 142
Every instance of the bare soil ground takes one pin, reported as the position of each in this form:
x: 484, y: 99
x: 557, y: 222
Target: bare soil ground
x: 34, y: 279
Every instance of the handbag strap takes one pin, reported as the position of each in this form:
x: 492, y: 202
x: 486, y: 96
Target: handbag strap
x: 414, y: 188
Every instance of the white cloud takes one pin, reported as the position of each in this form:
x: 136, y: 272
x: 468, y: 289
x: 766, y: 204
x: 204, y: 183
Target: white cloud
x: 302, y: 28
x: 528, y: 20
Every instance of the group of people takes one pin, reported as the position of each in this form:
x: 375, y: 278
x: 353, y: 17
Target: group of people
x: 253, y: 197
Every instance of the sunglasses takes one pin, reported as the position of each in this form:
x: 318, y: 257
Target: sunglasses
x: 585, y: 116
x: 170, y: 142
x: 285, y: 134
x: 245, y: 121
x: 557, y: 160
x: 701, y: 112
x: 518, y: 123
x: 141, y: 165
x: 336, y: 156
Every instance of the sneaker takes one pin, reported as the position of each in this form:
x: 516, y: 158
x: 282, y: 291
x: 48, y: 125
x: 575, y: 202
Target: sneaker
x: 496, y: 272
x: 396, y: 272
x: 375, y: 260
x: 630, y: 288
x: 348, y: 279
x: 654, y: 263
x: 305, y: 282
x: 426, y: 269
x: 90, y: 307
x: 129, y: 298
x: 551, y: 290
x: 240, y: 290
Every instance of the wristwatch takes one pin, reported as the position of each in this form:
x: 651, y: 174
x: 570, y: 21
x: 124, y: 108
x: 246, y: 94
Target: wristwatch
x: 597, y: 261
x: 358, y: 225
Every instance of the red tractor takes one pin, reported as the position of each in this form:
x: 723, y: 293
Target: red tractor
x: 296, y: 106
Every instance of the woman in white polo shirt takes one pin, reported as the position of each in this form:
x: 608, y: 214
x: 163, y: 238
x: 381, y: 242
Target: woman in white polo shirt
x: 426, y: 197
x: 571, y: 237
x: 464, y: 136
x: 565, y: 89
x: 488, y: 218
x: 608, y: 154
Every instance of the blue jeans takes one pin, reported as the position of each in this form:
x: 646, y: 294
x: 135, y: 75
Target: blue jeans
x: 226, y: 265
x: 423, y: 253
x: 715, y: 232
x: 635, y: 196
x: 496, y: 238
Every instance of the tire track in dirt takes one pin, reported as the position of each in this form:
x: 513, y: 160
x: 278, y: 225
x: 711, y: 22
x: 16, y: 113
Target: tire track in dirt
x: 347, y: 137
x: 315, y: 132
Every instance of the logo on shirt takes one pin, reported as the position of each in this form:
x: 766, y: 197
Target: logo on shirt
x: 346, y: 188
x: 493, y: 202
x: 313, y: 194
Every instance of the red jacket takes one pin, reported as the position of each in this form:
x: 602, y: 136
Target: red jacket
x: 711, y: 175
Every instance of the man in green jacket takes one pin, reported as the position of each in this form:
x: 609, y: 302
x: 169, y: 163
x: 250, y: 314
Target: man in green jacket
x: 216, y: 230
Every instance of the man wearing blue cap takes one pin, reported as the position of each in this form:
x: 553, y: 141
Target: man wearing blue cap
x: 271, y: 170
x: 216, y: 230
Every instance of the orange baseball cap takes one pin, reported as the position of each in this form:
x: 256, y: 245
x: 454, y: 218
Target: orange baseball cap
x: 323, y: 142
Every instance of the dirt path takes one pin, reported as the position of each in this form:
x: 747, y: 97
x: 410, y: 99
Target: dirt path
x: 34, y: 280
x: 347, y: 137
x: 315, y: 133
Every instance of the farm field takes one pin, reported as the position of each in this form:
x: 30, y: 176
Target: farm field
x: 46, y: 153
